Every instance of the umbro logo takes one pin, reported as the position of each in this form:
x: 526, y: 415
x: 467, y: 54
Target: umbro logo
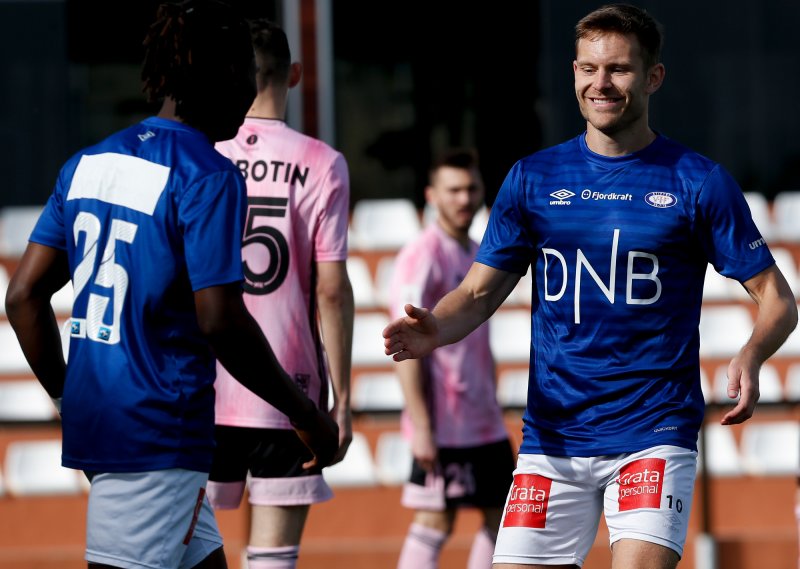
x: 561, y: 197
x: 146, y: 135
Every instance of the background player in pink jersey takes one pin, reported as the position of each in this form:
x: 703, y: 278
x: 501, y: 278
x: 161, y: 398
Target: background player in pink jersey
x: 294, y: 253
x: 452, y: 418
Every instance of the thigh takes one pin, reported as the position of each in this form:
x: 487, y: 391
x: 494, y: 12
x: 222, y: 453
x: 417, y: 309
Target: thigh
x: 648, y: 499
x: 158, y: 519
x: 277, y: 476
x: 551, y: 513
x: 277, y: 526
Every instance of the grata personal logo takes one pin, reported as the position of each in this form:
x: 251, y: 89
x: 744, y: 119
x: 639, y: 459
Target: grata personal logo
x: 527, y: 501
x: 640, y: 484
x: 660, y: 199
x: 562, y: 197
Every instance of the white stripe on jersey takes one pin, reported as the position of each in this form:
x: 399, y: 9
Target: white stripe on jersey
x: 119, y: 179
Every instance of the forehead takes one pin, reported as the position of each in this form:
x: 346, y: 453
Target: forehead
x: 450, y: 176
x: 608, y: 46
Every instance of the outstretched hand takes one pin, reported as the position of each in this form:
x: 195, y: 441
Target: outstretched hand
x: 413, y: 336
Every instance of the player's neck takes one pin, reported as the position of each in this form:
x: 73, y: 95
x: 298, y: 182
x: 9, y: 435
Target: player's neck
x: 268, y: 106
x: 619, y: 143
x: 461, y: 236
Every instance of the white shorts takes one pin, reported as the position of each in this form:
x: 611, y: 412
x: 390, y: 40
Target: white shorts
x: 153, y: 520
x: 553, y: 508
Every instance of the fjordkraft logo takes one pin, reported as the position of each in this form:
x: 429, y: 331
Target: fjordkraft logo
x: 641, y: 483
x: 527, y: 501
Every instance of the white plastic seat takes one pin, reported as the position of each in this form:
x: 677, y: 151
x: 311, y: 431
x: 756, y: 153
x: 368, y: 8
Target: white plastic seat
x: 368, y: 347
x: 61, y: 301
x: 771, y: 448
x: 512, y: 388
x: 521, y: 295
x: 722, y: 452
x: 760, y: 210
x: 380, y: 391
x: 718, y: 287
x: 790, y: 348
x: 705, y: 386
x: 4, y: 278
x: 393, y: 458
x: 12, y: 360
x: 793, y: 383
x: 786, y: 211
x: 16, y: 224
x: 34, y: 468
x: 770, y: 386
x: 786, y: 263
x: 510, y: 335
x: 724, y: 330
x: 384, y: 271
x: 361, y: 281
x: 357, y: 468
x: 384, y: 223
x: 25, y: 400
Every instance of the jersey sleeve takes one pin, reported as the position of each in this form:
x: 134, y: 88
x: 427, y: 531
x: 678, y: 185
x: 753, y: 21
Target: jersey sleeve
x: 730, y: 238
x: 49, y: 229
x: 331, y: 238
x: 211, y: 216
x: 506, y: 244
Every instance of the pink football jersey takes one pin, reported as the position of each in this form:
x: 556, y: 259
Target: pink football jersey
x: 459, y: 378
x: 298, y: 194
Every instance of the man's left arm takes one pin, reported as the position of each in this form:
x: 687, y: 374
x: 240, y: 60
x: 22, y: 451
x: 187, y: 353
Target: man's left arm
x: 336, y: 313
x: 777, y: 317
x: 42, y: 271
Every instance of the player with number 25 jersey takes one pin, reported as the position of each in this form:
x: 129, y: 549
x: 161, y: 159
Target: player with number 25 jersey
x: 142, y: 229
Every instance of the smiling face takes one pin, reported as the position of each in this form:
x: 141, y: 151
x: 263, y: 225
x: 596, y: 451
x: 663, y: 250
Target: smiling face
x: 613, y: 87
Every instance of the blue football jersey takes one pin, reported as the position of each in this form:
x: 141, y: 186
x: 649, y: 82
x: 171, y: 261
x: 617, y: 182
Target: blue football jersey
x: 618, y: 249
x: 146, y: 217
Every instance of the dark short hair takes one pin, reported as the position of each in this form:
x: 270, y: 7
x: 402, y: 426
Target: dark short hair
x: 625, y: 19
x: 273, y: 55
x: 461, y: 158
x: 192, y: 47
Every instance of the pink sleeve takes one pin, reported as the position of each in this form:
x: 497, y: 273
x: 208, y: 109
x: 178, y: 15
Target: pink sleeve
x: 331, y: 238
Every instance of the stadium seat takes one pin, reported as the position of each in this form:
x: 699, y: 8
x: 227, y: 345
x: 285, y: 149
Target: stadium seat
x: 770, y: 386
x: 722, y: 453
x: 718, y: 287
x: 61, y: 301
x: 361, y: 280
x: 786, y: 208
x: 383, y: 279
x: 512, y: 389
x: 771, y: 448
x: 521, y: 295
x: 388, y: 224
x: 33, y: 468
x: 25, y: 400
x: 479, y: 223
x: 724, y: 330
x: 705, y: 385
x: 393, y: 458
x: 357, y: 468
x: 760, y: 210
x: 368, y: 347
x: 510, y: 335
x: 793, y: 383
x: 12, y: 360
x: 790, y: 348
x: 4, y: 278
x: 16, y: 224
x: 378, y: 391
x: 786, y: 263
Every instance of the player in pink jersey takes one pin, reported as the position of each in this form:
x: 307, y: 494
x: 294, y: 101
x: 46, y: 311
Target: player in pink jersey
x: 294, y: 252
x: 452, y: 418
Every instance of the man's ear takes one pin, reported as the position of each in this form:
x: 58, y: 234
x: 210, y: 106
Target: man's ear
x: 295, y: 73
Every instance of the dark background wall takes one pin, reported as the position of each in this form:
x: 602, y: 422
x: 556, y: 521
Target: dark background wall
x: 414, y: 77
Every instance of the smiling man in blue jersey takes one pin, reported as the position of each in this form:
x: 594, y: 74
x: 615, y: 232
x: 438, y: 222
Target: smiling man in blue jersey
x: 619, y: 225
x: 148, y: 225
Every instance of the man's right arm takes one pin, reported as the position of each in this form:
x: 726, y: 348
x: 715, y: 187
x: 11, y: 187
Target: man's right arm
x: 460, y: 312
x: 241, y: 347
